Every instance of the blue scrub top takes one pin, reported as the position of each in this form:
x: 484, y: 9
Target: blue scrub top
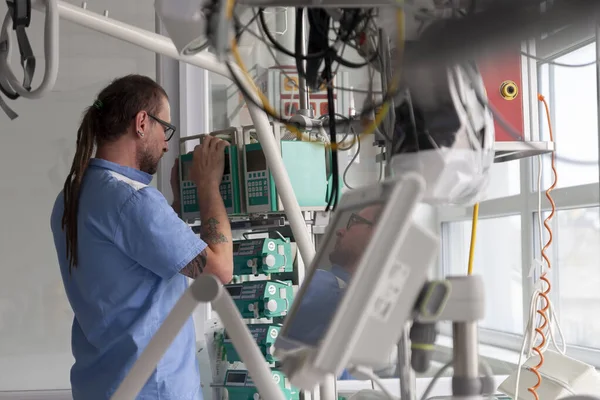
x: 131, y: 247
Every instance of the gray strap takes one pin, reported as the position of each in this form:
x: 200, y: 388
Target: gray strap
x: 27, y: 57
x: 7, y: 110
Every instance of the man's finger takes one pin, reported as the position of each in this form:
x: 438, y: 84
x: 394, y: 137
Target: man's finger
x: 213, y: 143
x: 222, y: 144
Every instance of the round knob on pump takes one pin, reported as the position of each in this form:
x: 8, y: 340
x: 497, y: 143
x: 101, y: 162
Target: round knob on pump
x: 269, y: 260
x: 256, y: 396
x: 272, y: 305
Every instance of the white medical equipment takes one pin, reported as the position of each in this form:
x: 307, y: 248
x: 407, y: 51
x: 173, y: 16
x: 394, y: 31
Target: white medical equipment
x: 321, y: 339
x: 561, y: 376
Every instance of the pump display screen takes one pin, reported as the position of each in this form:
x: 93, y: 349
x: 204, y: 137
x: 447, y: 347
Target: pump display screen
x: 255, y: 161
x: 185, y: 170
x: 236, y: 377
x: 234, y: 291
x: 227, y: 168
x: 323, y: 289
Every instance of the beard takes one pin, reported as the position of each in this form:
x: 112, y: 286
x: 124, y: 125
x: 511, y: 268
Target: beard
x: 342, y: 257
x: 148, y: 163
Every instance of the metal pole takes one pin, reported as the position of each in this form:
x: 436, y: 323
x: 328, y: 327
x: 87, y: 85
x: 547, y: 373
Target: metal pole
x: 328, y: 389
x: 406, y: 375
x: 302, y: 90
x: 466, y: 380
x: 598, y: 81
x: 386, y: 77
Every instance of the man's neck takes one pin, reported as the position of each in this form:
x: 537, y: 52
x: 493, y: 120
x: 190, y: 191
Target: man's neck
x: 118, y: 153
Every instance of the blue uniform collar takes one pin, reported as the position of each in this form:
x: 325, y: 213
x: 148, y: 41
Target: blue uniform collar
x: 129, y: 172
x: 341, y: 273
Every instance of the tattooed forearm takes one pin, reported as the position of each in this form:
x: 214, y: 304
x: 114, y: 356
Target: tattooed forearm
x: 196, y: 266
x: 211, y: 233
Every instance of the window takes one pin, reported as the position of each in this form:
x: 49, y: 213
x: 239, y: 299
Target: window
x: 572, y: 99
x: 578, y: 259
x: 498, y: 261
x: 508, y: 233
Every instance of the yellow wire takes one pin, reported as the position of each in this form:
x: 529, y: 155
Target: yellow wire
x: 473, y: 237
x: 379, y: 115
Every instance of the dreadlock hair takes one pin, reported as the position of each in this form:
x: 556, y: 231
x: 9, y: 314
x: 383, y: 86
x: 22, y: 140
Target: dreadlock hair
x: 106, y: 120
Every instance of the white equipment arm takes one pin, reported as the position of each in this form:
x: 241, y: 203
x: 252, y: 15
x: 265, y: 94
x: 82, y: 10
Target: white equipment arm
x: 205, y: 289
x: 162, y: 45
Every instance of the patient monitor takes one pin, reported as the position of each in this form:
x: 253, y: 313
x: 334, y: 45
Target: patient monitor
x: 362, y: 285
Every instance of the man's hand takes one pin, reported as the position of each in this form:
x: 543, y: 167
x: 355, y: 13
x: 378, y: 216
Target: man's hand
x: 207, y: 172
x: 208, y: 163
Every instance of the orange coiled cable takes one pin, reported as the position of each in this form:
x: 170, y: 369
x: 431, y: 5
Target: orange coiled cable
x: 545, y: 295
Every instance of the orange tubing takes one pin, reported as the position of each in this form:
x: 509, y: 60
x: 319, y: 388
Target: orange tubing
x: 545, y: 295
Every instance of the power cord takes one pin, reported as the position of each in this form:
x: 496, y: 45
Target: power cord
x: 354, y: 157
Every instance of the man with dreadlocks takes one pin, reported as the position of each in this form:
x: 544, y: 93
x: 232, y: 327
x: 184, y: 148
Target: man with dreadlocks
x: 124, y: 253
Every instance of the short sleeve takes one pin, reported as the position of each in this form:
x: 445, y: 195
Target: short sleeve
x: 151, y: 233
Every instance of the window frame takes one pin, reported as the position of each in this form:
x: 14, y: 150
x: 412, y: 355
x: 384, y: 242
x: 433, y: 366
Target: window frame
x: 525, y: 203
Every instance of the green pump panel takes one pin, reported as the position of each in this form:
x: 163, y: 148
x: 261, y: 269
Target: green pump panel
x: 264, y: 335
x: 262, y: 256
x: 305, y: 163
x: 240, y: 386
x: 229, y: 188
x: 262, y: 299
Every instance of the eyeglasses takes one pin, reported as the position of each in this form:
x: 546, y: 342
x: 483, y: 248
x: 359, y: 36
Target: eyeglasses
x: 356, y: 219
x: 169, y: 129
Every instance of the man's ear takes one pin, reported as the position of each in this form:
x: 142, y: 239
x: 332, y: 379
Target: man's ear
x: 142, y: 123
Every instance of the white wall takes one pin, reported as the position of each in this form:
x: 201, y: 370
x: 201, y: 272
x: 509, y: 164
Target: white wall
x: 35, y: 157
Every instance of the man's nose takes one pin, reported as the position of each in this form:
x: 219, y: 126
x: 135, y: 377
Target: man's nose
x: 166, y: 148
x: 340, y: 232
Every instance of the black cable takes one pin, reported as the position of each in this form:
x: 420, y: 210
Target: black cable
x: 240, y: 28
x: 331, y: 204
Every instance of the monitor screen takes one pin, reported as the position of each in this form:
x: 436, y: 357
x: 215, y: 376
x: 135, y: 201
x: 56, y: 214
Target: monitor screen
x: 255, y: 161
x: 334, y: 265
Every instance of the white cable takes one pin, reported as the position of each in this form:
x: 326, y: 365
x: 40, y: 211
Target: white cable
x: 358, y: 369
x: 51, y: 54
x: 558, y: 64
x: 357, y: 138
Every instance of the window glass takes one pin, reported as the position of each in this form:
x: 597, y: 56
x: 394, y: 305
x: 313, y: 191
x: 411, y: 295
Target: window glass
x: 505, y: 180
x: 497, y: 260
x: 572, y: 97
x: 575, y: 254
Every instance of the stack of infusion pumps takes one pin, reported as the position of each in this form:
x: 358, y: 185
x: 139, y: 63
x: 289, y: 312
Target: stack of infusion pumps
x: 263, y: 298
x: 263, y: 269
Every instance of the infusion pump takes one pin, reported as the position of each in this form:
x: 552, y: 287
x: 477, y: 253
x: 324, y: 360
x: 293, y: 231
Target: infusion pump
x: 248, y: 187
